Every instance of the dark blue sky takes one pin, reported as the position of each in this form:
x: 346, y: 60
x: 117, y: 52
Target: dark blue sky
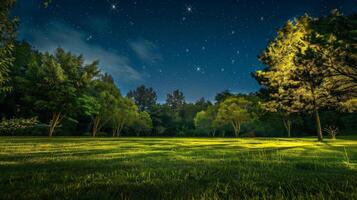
x: 200, y: 47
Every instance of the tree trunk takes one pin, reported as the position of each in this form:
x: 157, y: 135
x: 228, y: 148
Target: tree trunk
x: 318, y: 125
x: 236, y: 127
x: 120, y: 128
x: 317, y: 116
x: 114, y: 132
x: 287, y: 124
x: 214, y: 132
x: 56, y: 118
x: 96, y: 127
x: 117, y: 129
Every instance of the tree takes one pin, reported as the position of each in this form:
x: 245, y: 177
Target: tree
x: 277, y: 77
x: 337, y: 43
x: 220, y: 97
x: 163, y: 118
x: 7, y: 35
x: 202, y: 104
x: 206, y: 120
x: 106, y: 95
x: 295, y: 76
x: 55, y: 82
x: 12, y: 104
x: 145, y: 98
x: 234, y: 111
x: 124, y: 114
x: 175, y: 100
x: 142, y: 123
x: 54, y: 93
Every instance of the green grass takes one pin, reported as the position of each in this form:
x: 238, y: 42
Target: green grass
x: 177, y: 168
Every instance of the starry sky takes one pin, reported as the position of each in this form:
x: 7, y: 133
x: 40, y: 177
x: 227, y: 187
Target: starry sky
x: 201, y: 47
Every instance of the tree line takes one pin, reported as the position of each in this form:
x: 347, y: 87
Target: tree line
x: 310, y: 73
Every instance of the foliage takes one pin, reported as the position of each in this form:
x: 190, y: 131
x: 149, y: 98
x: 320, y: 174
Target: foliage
x: 145, y: 98
x: 11, y: 126
x: 206, y: 120
x: 220, y: 97
x: 299, y: 74
x: 59, y: 81
x: 142, y: 123
x: 175, y: 100
x: 234, y: 111
x: 124, y: 114
x: 310, y: 68
x: 7, y: 35
x: 105, y: 94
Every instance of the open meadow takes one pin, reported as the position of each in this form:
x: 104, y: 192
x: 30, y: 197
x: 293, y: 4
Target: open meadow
x: 177, y: 168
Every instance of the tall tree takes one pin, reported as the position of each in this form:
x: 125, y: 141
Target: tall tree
x: 106, y: 94
x: 55, y: 82
x: 54, y: 93
x: 175, y: 100
x: 145, y: 98
x: 7, y: 35
x: 336, y: 44
x: 295, y: 75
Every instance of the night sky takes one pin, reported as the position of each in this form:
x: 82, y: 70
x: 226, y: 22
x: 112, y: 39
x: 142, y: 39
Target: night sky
x: 200, y: 47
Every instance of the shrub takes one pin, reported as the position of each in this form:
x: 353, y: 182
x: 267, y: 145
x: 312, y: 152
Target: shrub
x: 16, y: 125
x: 331, y: 131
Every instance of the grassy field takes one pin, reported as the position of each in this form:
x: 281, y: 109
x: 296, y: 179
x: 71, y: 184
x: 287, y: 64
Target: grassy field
x: 175, y: 168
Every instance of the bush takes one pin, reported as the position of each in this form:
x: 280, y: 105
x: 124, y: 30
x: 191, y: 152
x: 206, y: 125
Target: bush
x: 17, y: 125
x: 331, y: 131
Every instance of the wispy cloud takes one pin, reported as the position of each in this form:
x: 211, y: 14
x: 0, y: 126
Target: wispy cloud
x: 62, y: 35
x: 146, y: 50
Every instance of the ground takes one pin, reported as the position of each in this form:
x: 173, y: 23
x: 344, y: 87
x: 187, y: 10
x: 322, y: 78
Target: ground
x: 177, y: 168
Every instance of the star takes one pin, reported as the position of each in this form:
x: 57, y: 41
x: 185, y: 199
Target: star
x: 113, y: 5
x: 189, y: 9
x: 89, y: 37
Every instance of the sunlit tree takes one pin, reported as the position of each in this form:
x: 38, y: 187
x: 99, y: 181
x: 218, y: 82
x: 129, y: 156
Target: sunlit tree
x: 234, y: 111
x: 296, y: 76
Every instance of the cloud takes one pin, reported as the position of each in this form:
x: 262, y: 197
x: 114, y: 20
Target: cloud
x: 62, y: 35
x: 146, y: 50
